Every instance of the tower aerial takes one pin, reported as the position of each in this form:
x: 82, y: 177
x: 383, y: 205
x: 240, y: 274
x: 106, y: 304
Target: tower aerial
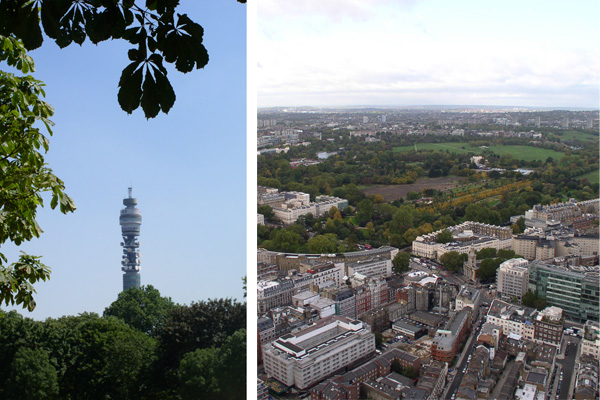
x: 130, y: 221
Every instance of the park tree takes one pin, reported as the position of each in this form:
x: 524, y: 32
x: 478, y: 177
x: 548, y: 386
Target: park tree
x: 321, y: 244
x: 141, y: 308
x: 365, y: 211
x: 410, y: 235
x: 402, y: 220
x: 105, y: 358
x: 199, y: 374
x: 401, y: 262
x: 32, y: 376
x: 286, y: 240
x: 412, y: 195
x: 267, y: 211
x: 196, y: 326
x: 215, y: 373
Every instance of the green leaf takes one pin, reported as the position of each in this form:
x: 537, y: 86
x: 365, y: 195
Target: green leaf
x: 52, y: 12
x: 150, y: 96
x: 130, y: 91
x: 28, y: 26
x: 166, y: 92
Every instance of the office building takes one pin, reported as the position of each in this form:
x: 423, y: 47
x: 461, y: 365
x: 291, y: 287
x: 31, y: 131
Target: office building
x: 574, y: 289
x: 304, y: 358
x: 374, y: 268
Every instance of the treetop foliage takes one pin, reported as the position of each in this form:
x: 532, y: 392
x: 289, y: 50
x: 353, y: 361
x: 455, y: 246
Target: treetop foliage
x: 156, y: 32
x: 141, y: 308
x: 24, y: 175
x: 93, y: 357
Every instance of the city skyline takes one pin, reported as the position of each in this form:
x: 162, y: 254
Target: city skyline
x: 539, y: 54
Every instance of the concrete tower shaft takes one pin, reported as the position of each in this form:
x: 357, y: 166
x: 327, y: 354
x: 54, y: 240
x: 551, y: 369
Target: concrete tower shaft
x: 131, y: 222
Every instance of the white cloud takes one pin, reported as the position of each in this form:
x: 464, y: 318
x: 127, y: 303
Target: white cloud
x: 347, y: 51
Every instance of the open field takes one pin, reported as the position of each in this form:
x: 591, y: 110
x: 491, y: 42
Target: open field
x: 395, y: 192
x: 591, y: 176
x: 526, y: 153
x: 574, y: 135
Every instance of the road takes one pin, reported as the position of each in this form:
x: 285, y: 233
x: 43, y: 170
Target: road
x: 562, y: 381
x: 462, y: 362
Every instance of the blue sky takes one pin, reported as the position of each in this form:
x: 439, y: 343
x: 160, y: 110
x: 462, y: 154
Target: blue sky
x: 424, y: 52
x: 187, y: 169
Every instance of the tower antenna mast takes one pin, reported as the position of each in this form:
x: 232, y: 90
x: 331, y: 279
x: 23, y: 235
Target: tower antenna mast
x: 130, y: 221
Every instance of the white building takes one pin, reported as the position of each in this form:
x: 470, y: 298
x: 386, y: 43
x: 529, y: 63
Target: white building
x: 518, y: 320
x: 468, y: 297
x: 590, y: 344
x: 467, y: 235
x: 297, y: 204
x: 373, y: 268
x: 306, y: 357
x: 323, y: 272
x: 512, y: 277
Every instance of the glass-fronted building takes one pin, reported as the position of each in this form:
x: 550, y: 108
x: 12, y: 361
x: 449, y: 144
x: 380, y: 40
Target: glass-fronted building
x: 575, y: 290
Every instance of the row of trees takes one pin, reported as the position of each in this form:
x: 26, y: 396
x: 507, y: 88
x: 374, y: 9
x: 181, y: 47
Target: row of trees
x: 143, y: 347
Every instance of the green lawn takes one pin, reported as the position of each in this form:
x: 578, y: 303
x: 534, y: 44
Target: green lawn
x: 591, y: 176
x: 526, y: 153
x: 581, y: 136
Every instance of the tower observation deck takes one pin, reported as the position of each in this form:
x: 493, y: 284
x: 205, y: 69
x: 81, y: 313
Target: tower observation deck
x: 130, y: 221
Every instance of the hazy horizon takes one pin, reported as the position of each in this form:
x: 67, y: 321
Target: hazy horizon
x: 407, y: 52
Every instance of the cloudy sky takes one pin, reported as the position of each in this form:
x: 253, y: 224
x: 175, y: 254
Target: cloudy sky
x: 187, y: 170
x: 428, y: 52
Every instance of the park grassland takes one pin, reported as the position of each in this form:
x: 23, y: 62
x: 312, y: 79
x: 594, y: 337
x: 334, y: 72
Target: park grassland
x: 592, y: 177
x: 581, y: 136
x: 519, y: 152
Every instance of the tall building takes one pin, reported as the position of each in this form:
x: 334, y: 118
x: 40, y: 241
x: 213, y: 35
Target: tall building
x: 512, y: 278
x: 130, y: 221
x: 573, y: 289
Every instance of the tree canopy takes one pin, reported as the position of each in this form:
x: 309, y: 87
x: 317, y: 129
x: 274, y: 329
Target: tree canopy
x: 215, y: 373
x: 453, y: 261
x: 141, y: 308
x: 24, y: 175
x: 93, y: 357
x: 401, y: 262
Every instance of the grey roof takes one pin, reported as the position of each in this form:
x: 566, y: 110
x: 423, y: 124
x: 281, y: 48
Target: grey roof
x: 265, y: 323
x: 416, y: 394
x: 536, y: 377
x: 407, y: 325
